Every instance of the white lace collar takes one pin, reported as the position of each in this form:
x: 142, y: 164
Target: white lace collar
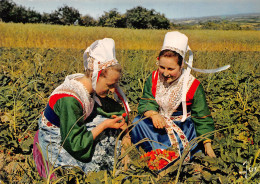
x: 169, y: 97
x: 77, y: 89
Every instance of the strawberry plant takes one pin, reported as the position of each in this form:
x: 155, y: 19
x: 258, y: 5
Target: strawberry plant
x: 28, y: 76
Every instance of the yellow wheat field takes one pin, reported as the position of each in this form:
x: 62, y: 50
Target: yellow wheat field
x: 76, y: 37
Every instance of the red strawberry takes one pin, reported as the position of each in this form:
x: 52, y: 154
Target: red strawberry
x: 124, y: 115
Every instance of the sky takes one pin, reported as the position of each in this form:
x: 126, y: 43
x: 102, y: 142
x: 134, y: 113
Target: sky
x: 172, y: 9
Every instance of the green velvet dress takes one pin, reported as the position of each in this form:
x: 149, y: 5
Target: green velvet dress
x: 166, y: 99
x: 65, y: 128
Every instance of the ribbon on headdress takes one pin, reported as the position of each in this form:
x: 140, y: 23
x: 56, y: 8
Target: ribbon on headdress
x: 186, y: 77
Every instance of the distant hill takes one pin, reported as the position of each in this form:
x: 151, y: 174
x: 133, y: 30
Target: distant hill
x: 237, y: 22
x: 242, y: 18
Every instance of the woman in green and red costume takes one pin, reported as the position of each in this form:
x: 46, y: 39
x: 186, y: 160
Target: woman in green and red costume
x: 72, y: 130
x: 174, y: 102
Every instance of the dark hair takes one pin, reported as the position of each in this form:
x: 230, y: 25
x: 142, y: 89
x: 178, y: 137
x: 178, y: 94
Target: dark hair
x: 170, y: 53
x: 116, y: 67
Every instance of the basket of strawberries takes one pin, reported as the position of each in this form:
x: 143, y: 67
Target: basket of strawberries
x: 160, y: 159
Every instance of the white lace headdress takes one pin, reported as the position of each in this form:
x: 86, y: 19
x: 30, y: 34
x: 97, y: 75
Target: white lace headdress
x: 98, y: 56
x: 178, y: 42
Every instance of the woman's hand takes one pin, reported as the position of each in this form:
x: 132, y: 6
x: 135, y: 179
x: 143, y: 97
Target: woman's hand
x: 124, y: 126
x: 109, y: 123
x: 208, y: 150
x: 116, y: 123
x: 158, y: 121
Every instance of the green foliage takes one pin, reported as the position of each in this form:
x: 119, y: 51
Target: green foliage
x: 5, y: 10
x: 112, y: 19
x: 10, y: 12
x: 142, y: 18
x: 28, y: 76
x: 233, y: 97
x: 87, y: 20
x: 65, y: 16
x: 138, y: 18
x: 23, y: 95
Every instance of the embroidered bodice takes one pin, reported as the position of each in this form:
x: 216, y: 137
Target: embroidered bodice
x: 168, y: 96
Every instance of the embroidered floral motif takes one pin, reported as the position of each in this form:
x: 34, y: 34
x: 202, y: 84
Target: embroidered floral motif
x: 101, y: 66
x: 46, y: 123
x: 171, y: 127
x: 49, y: 124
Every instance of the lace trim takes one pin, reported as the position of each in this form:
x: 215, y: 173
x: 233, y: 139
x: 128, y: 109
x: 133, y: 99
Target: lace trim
x: 181, y: 52
x: 77, y: 89
x: 169, y: 97
x: 101, y: 66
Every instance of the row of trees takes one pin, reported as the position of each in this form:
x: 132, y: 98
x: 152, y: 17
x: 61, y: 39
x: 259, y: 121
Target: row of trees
x: 138, y: 17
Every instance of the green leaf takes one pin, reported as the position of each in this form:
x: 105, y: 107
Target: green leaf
x: 207, y: 176
x: 213, y: 168
x: 26, y: 145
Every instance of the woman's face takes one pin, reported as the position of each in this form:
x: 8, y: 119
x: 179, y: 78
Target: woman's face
x: 107, y: 83
x: 169, y: 70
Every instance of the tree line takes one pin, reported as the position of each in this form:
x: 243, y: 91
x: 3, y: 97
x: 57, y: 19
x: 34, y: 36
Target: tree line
x: 137, y: 17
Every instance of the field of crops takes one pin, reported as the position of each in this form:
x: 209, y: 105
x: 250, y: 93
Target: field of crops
x: 35, y: 59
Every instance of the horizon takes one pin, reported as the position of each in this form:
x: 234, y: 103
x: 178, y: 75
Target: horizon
x: 227, y: 15
x: 172, y: 9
